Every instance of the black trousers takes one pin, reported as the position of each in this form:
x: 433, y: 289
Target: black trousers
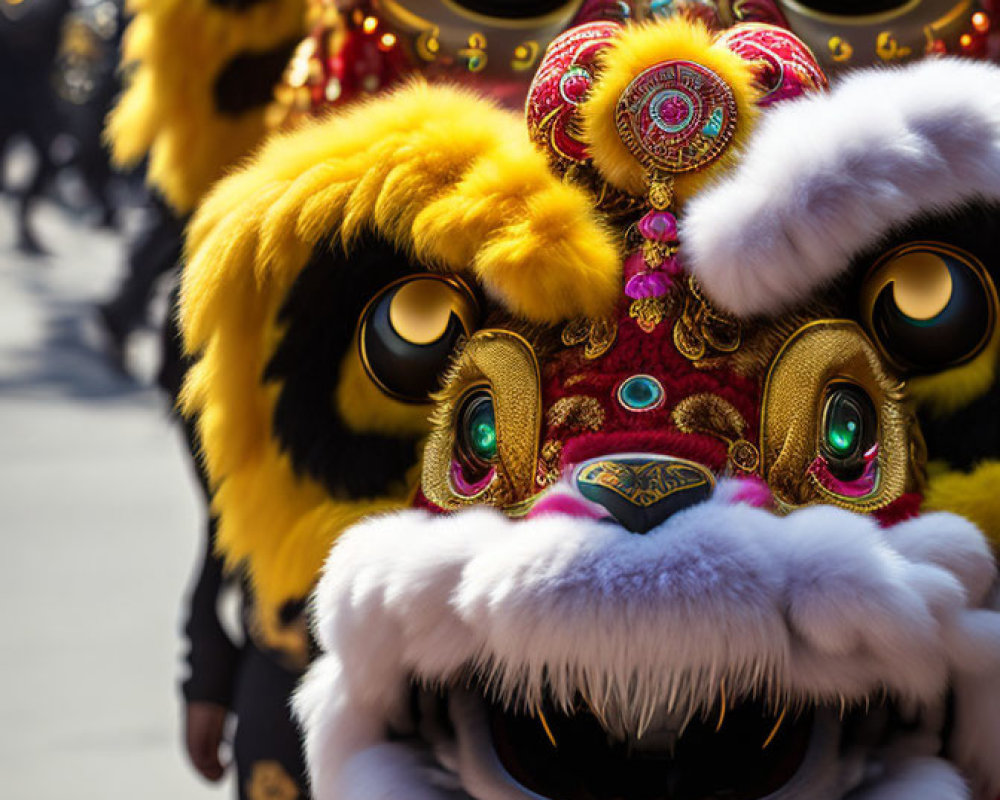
x: 269, y: 761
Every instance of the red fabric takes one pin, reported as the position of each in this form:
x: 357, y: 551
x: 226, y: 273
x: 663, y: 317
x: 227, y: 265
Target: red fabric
x: 785, y: 66
x: 636, y: 352
x: 420, y: 501
x: 906, y: 507
x: 561, y: 85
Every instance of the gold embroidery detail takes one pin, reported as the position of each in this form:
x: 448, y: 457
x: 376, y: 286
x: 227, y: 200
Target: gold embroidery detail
x: 655, y: 253
x: 714, y: 416
x: 818, y: 354
x: 506, y: 362
x: 646, y: 484
x: 648, y: 312
x: 576, y: 413
x: 598, y: 335
x: 701, y: 330
x: 269, y: 781
x: 709, y: 414
x: 548, y: 463
x: 744, y: 455
x: 661, y: 194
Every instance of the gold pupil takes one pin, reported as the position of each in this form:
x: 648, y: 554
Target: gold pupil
x: 921, y: 284
x: 421, y: 310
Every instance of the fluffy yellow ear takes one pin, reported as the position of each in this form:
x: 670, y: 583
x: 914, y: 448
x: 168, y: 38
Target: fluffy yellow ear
x: 636, y: 50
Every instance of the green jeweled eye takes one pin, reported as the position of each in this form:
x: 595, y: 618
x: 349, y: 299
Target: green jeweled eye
x: 483, y: 432
x: 476, y: 435
x: 849, y: 431
x: 843, y: 434
x: 641, y: 393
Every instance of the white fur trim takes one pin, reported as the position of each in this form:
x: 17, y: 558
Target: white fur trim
x: 821, y: 603
x: 829, y: 175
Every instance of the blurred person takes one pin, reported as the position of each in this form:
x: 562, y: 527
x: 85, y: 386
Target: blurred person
x: 87, y: 82
x: 152, y: 251
x: 29, y: 41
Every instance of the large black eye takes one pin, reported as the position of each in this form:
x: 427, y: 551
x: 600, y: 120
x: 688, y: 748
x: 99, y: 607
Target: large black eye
x: 849, y: 430
x: 475, y: 439
x: 929, y: 306
x: 409, y: 331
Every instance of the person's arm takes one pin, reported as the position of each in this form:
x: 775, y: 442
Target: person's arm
x: 212, y: 661
x: 212, y: 657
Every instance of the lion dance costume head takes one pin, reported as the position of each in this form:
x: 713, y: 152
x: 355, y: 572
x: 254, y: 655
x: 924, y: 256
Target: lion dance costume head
x: 663, y: 402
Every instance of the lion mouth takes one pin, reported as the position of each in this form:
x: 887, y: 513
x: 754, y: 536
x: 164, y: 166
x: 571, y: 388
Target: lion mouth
x: 747, y: 753
x: 565, y: 659
x: 750, y: 749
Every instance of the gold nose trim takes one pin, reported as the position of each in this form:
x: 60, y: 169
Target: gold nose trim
x: 645, y: 480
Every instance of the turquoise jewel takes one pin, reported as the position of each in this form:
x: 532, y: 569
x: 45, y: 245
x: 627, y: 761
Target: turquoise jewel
x: 641, y: 393
x: 714, y: 125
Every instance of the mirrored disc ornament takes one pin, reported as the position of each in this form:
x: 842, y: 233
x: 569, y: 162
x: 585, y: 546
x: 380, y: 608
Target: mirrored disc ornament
x: 676, y: 117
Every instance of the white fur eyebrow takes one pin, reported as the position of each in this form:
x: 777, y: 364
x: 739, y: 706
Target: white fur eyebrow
x: 827, y: 176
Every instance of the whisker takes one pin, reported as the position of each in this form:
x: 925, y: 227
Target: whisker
x: 722, y: 712
x: 545, y: 725
x: 777, y: 727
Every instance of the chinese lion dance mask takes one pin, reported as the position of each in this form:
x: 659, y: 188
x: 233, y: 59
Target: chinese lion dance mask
x: 661, y: 391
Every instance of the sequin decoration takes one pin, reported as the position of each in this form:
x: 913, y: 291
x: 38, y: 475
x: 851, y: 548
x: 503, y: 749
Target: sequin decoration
x: 597, y: 335
x: 676, y: 117
x: 578, y: 413
x: 560, y: 86
x: 785, y: 66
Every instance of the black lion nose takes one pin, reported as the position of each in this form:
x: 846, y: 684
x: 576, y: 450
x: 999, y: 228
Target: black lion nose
x: 640, y: 490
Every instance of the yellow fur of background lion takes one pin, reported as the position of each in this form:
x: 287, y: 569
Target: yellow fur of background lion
x: 441, y: 174
x: 175, y: 50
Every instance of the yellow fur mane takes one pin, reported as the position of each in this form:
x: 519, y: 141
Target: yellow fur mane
x: 442, y: 175
x: 949, y: 392
x: 972, y: 495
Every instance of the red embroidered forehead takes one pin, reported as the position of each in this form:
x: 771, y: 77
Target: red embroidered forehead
x: 644, y: 395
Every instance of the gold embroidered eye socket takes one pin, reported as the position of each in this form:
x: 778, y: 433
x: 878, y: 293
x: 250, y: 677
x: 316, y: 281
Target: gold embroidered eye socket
x: 408, y: 332
x: 835, y: 427
x: 929, y: 307
x: 483, y: 445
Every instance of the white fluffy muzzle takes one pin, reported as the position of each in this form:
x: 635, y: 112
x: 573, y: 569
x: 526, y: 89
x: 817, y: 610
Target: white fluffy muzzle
x: 821, y: 606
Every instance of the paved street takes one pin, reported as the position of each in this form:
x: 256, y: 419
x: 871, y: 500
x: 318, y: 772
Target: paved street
x: 99, y: 522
